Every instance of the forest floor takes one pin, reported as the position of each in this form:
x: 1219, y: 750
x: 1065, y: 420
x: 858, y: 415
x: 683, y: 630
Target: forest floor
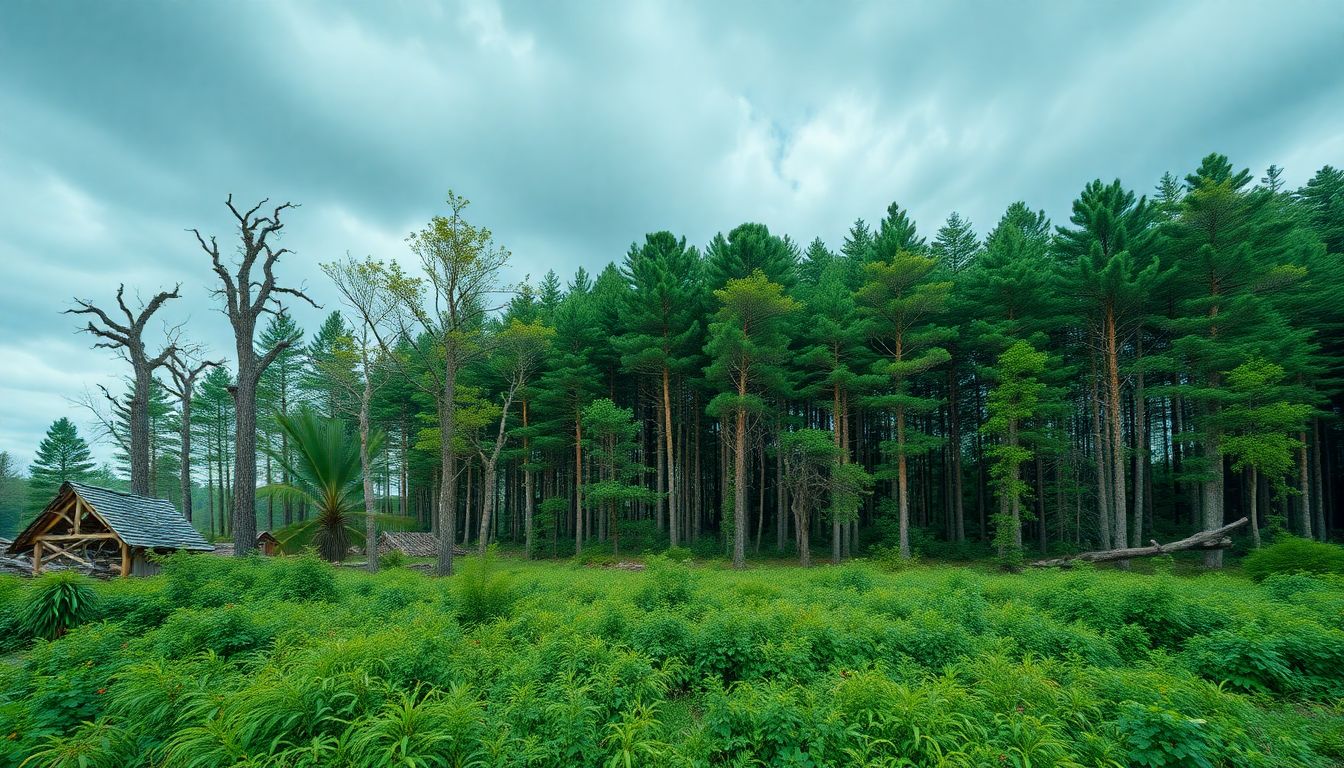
x: 290, y: 662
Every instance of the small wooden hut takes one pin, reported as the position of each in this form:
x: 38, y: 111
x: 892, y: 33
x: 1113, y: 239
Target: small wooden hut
x: 267, y: 544
x: 412, y: 544
x: 85, y: 524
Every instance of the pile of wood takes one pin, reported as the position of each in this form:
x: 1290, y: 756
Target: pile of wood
x: 22, y: 565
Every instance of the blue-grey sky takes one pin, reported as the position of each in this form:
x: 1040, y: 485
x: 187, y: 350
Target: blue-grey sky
x: 577, y: 127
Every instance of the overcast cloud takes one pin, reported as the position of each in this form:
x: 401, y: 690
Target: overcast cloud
x: 576, y: 128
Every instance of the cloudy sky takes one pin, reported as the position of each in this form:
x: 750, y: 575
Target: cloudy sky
x: 575, y: 128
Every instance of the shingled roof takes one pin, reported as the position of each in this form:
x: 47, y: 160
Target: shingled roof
x: 413, y: 544
x: 139, y: 521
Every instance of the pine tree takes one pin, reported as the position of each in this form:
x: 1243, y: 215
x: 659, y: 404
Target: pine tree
x: 615, y: 483
x: 62, y: 456
x: 571, y: 382
x: 1260, y: 419
x: 1223, y: 248
x: 747, y: 348
x: 901, y: 301
x: 329, y: 367
x: 12, y: 495
x: 1112, y: 274
x: 955, y: 245
x: 1013, y: 401
x: 661, y: 328
x: 747, y: 249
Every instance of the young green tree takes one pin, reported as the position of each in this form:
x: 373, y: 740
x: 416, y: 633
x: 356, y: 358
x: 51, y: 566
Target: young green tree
x: 1260, y: 420
x: 747, y: 347
x: 61, y: 456
x: 901, y: 301
x: 616, y: 484
x: 1012, y: 402
x: 440, y: 319
x: 955, y: 244
x: 661, y: 329
x: 214, y: 420
x: 11, y: 495
x: 330, y: 365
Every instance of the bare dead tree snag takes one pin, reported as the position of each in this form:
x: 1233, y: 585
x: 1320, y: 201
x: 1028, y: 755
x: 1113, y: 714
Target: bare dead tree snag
x: 246, y: 297
x: 127, y: 338
x: 184, y: 373
x: 1216, y: 539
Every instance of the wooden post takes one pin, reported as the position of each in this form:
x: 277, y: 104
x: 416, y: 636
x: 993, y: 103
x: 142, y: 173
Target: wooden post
x: 37, y: 557
x: 125, y: 560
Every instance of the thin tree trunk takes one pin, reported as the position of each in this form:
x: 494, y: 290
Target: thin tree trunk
x: 1253, y: 476
x: 1117, y: 430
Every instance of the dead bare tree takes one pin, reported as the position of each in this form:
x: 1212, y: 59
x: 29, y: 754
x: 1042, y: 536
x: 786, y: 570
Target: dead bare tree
x: 184, y: 372
x: 246, y: 297
x: 127, y: 339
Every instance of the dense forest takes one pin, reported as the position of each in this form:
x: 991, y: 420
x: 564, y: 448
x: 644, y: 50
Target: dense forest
x: 1160, y: 363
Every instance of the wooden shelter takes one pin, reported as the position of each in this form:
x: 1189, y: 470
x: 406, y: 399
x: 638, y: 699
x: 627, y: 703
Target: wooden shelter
x: 85, y: 524
x: 412, y: 544
x: 267, y: 544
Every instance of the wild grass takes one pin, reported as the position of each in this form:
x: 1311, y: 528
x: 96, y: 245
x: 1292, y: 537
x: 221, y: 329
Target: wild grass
x: 295, y: 663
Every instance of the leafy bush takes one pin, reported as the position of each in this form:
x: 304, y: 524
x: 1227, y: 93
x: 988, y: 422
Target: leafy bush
x: 392, y: 559
x: 1291, y: 554
x: 679, y: 554
x: 1158, y: 737
x: 481, y: 591
x: 666, y: 583
x: 56, y: 603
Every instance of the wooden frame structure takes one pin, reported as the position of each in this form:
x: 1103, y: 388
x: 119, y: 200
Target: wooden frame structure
x: 73, y: 528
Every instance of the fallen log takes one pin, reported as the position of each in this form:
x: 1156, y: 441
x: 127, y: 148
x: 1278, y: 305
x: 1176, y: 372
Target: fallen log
x: 1204, y: 540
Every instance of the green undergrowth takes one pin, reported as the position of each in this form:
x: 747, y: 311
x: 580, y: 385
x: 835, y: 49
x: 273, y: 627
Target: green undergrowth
x: 292, y: 663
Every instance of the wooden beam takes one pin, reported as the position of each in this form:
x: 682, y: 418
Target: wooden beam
x: 37, y: 558
x: 76, y: 537
x: 125, y: 560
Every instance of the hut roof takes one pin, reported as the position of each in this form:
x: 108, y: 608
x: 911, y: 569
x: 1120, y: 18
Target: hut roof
x: 413, y: 543
x: 267, y: 536
x: 139, y: 521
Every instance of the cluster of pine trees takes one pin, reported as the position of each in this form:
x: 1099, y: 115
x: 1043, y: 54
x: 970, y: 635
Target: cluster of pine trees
x: 1158, y: 364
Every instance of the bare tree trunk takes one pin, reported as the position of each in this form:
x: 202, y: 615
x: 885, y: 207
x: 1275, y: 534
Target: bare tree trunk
x: 1143, y: 451
x: 739, y: 480
x: 1213, y: 495
x: 1253, y: 476
x: 1322, y: 531
x: 902, y: 483
x: 1117, y: 433
x: 365, y: 462
x: 1304, y: 488
x: 578, y: 485
x: 448, y: 470
x: 1098, y: 443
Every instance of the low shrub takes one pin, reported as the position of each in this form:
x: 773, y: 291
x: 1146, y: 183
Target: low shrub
x: 391, y: 559
x: 1291, y: 554
x: 56, y: 603
x: 481, y: 591
x: 666, y: 583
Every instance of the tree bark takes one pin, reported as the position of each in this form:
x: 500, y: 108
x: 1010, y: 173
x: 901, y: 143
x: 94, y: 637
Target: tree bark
x: 1117, y: 432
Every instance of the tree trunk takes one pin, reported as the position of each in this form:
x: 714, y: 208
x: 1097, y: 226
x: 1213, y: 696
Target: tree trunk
x: 448, y: 470
x: 839, y: 449
x: 1253, y: 477
x: 245, y: 456
x: 529, y: 493
x: 370, y: 521
x: 739, y: 481
x: 1304, y: 488
x: 578, y: 484
x: 1115, y: 414
x: 184, y: 471
x: 902, y: 483
x: 1098, y: 441
x: 1143, y: 452
x: 1213, y: 494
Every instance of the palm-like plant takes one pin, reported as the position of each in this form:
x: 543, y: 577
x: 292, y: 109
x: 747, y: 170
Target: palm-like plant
x: 324, y: 472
